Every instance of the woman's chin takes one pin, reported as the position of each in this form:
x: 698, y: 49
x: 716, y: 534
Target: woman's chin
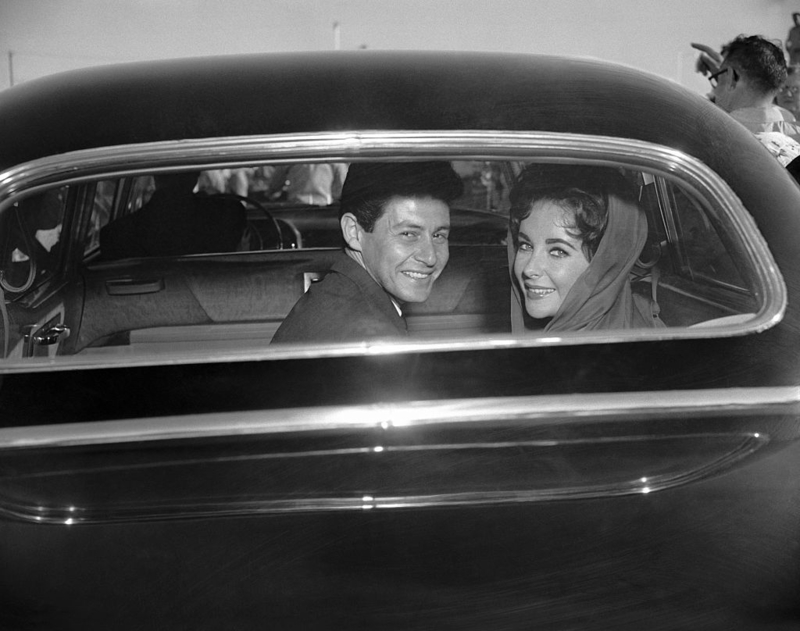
x: 540, y: 311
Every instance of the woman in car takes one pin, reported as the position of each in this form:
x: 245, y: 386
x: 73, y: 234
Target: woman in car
x: 577, y: 233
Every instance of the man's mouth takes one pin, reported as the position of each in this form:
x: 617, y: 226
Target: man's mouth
x: 417, y: 275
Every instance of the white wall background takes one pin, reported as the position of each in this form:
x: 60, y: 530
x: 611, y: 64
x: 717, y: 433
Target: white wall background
x: 39, y: 37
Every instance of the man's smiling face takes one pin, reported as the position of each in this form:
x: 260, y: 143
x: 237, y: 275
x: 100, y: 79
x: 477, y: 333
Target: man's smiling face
x: 407, y: 248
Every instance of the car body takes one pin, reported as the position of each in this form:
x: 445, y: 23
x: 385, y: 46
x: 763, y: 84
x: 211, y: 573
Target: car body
x: 163, y: 465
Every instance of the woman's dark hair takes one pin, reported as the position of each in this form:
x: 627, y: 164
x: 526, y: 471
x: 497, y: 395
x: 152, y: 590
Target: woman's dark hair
x: 370, y: 185
x: 583, y: 190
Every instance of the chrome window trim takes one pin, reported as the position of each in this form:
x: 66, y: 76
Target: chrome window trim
x: 128, y: 160
x: 527, y: 411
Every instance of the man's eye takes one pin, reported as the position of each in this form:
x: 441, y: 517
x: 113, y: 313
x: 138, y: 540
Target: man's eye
x: 441, y: 236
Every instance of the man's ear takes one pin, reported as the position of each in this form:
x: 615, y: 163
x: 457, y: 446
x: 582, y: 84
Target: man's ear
x: 351, y: 231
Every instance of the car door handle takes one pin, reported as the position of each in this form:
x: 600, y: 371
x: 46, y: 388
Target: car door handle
x: 134, y: 286
x: 51, y: 335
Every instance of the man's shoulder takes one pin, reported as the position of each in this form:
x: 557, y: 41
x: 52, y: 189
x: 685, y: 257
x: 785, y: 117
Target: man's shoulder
x: 346, y: 305
x: 766, y: 119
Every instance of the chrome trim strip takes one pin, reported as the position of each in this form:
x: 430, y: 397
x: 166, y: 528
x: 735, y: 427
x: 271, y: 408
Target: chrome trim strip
x: 529, y: 411
x: 235, y: 506
x: 91, y: 164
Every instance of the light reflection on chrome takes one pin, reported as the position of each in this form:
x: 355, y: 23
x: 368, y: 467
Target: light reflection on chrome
x: 367, y: 502
x: 231, y: 505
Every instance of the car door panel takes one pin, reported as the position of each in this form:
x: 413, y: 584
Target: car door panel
x: 481, y: 510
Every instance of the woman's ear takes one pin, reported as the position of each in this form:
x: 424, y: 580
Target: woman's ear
x: 351, y: 231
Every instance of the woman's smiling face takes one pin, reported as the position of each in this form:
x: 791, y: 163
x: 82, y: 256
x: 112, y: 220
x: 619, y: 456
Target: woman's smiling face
x: 549, y: 260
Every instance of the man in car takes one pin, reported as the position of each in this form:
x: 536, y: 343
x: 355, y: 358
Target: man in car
x: 395, y: 220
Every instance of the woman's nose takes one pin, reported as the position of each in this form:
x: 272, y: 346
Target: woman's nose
x: 533, y: 266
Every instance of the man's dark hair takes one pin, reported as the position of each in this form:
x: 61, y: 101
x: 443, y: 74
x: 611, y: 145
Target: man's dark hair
x: 370, y: 185
x: 758, y: 59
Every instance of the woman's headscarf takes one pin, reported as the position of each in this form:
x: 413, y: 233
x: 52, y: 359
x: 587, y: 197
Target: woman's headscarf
x: 601, y: 297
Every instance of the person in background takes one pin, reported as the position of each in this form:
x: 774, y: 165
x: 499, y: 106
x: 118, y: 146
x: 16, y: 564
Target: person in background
x: 216, y: 181
x: 316, y: 184
x: 750, y: 71
x: 789, y: 94
x: 793, y: 40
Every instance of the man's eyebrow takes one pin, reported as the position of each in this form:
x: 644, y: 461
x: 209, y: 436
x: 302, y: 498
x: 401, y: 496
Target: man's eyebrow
x: 405, y: 225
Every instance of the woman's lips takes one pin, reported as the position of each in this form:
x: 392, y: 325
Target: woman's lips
x: 534, y: 291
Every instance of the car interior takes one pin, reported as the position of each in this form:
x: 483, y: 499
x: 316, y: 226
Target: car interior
x: 65, y: 295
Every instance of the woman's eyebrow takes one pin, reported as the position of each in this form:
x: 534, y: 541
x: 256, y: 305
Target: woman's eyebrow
x: 564, y: 241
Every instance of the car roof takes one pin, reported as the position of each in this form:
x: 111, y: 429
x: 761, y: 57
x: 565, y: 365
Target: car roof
x: 239, y: 95
x: 340, y: 91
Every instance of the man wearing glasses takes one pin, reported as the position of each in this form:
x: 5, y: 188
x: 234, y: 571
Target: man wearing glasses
x: 750, y: 74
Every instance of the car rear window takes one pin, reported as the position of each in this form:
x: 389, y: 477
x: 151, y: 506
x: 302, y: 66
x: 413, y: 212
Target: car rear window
x: 120, y: 284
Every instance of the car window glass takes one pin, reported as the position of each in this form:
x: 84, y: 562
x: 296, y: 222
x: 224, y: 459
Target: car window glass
x: 101, y: 211
x: 162, y: 277
x: 486, y: 185
x: 141, y: 191
x: 704, y: 255
x: 32, y: 243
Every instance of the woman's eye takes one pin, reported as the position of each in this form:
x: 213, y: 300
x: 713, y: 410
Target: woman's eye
x: 558, y: 253
x: 525, y: 247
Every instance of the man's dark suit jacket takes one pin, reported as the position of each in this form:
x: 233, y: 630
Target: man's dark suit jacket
x: 345, y: 306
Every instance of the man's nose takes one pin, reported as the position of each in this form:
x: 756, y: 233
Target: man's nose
x: 426, y: 252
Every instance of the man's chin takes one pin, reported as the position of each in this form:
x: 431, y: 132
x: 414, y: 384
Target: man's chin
x: 411, y: 298
x: 418, y: 295
x: 413, y: 291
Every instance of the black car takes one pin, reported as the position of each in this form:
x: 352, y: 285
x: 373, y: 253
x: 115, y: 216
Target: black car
x: 162, y: 465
